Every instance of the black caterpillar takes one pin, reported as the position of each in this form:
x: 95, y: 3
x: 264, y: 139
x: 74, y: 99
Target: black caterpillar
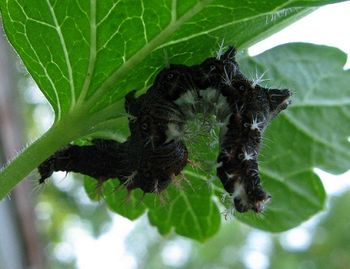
x: 155, y: 153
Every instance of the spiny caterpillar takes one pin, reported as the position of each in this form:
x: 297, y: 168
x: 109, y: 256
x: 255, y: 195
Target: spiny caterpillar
x: 155, y: 152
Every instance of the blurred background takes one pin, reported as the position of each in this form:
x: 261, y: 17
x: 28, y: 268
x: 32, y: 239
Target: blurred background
x: 56, y: 225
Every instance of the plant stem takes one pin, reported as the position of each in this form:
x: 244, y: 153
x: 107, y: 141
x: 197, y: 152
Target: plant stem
x: 80, y: 122
x: 56, y: 137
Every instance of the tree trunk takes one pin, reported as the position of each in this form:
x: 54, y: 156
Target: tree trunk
x: 20, y: 246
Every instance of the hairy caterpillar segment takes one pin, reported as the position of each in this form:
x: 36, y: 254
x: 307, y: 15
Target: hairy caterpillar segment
x: 155, y: 151
x: 150, y: 169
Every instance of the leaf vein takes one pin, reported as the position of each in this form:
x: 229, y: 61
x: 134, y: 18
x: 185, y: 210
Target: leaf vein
x: 145, y: 50
x: 58, y: 116
x: 299, y: 126
x: 92, y: 58
x: 108, y: 13
x: 65, y: 52
x: 143, y: 22
x: 192, y: 213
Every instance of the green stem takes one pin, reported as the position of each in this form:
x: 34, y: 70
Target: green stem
x: 80, y: 122
x: 57, y: 136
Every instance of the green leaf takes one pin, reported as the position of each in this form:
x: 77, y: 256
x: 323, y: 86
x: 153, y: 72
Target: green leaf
x: 295, y: 199
x: 93, y: 51
x: 189, y: 209
x: 312, y: 132
x: 128, y: 205
x: 86, y: 55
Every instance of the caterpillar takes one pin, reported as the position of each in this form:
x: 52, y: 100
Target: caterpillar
x: 155, y: 152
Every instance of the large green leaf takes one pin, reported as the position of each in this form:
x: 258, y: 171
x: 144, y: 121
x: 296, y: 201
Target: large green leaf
x: 85, y: 55
x: 79, y: 51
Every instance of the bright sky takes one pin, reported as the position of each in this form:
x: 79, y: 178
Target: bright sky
x: 329, y: 25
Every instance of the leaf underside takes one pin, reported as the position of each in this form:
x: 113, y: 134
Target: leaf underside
x: 89, y: 54
x: 79, y: 51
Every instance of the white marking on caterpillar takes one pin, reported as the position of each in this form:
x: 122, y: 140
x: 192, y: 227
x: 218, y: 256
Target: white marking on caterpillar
x: 218, y: 165
x: 256, y: 125
x: 173, y: 132
x: 187, y: 102
x: 187, y: 98
x: 222, y: 108
x: 209, y: 95
x: 230, y: 176
x: 248, y: 156
x: 240, y: 193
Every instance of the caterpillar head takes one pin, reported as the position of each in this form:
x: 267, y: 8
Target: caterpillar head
x: 261, y: 101
x: 278, y: 100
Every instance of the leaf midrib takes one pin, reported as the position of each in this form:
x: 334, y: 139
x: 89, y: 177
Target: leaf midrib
x: 143, y: 52
x: 93, y: 53
x: 192, y: 214
x: 65, y: 52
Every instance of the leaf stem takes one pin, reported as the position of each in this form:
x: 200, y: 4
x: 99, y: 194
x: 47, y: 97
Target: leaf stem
x: 27, y: 160
x: 78, y: 123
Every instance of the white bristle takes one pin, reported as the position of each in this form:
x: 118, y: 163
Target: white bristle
x: 221, y: 50
x: 130, y: 178
x: 248, y: 155
x: 256, y: 125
